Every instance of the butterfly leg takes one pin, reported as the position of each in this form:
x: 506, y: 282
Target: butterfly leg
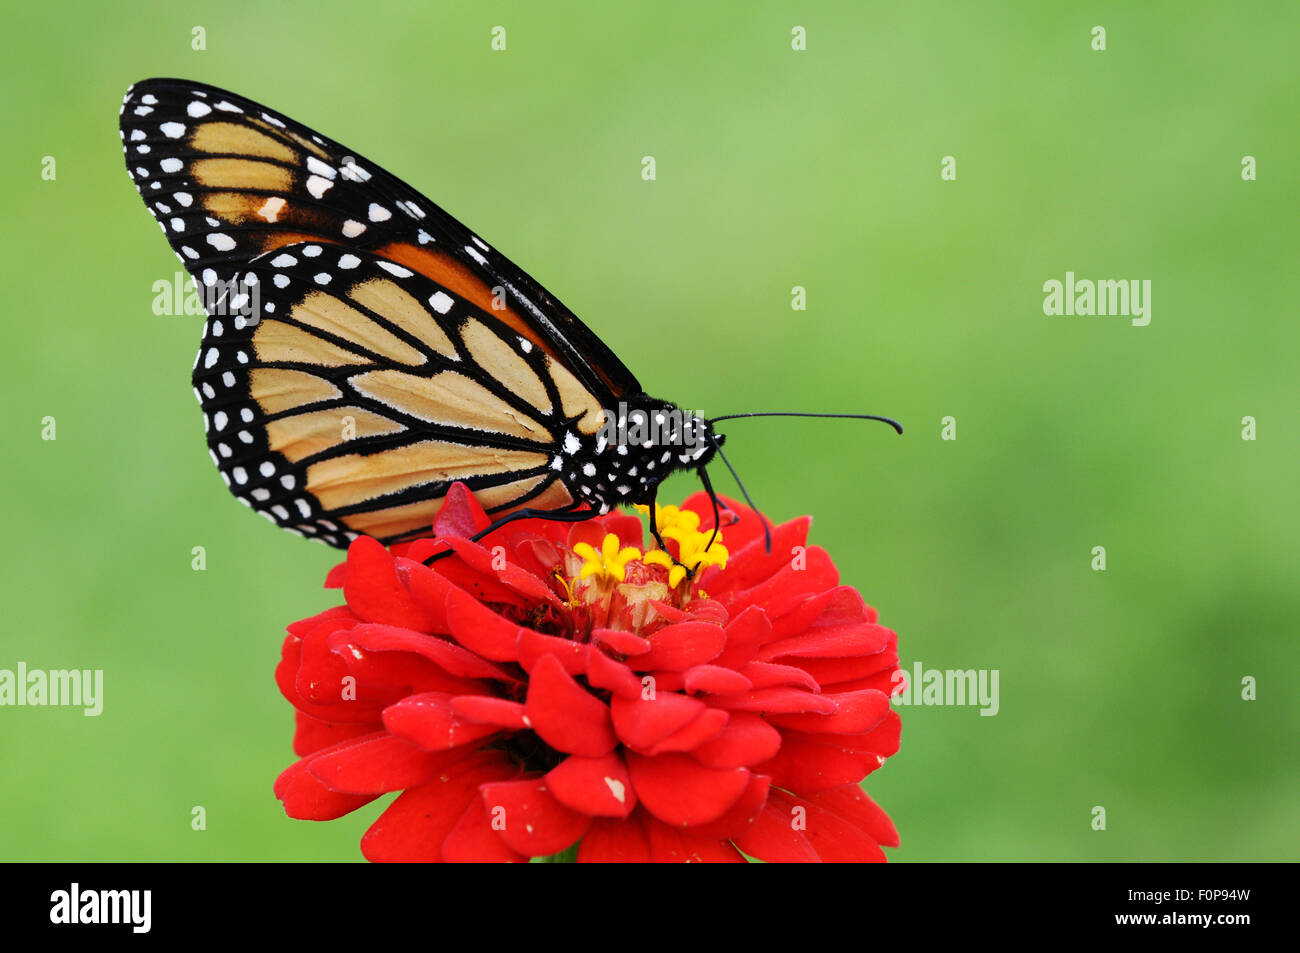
x: 654, y: 526
x: 713, y: 498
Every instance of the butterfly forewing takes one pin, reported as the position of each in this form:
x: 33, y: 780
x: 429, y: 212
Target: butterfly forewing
x: 229, y: 179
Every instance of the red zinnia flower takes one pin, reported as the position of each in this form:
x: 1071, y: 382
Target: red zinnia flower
x: 556, y: 685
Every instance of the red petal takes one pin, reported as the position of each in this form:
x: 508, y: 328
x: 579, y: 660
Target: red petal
x: 566, y: 716
x: 768, y: 674
x: 479, y: 629
x: 373, y: 590
x: 286, y: 675
x: 778, y: 699
x: 377, y: 765
x: 751, y: 564
x: 776, y: 836
x: 532, y: 646
x: 745, y: 633
x: 643, y: 723
x: 674, y: 846
x: 303, y: 626
x: 307, y: 798
x: 531, y: 820
x: 693, y: 734
x: 384, y: 677
x: 624, y: 643
x: 681, y: 646
x: 604, y: 672
x: 429, y: 721
x: 856, y: 713
x: 448, y: 656
x: 831, y: 641
x: 747, y: 740
x: 428, y: 590
x: 741, y: 815
x: 836, y: 840
x: 714, y: 678
x: 809, y: 763
x: 473, y: 841
x: 320, y: 672
x: 600, y: 787
x: 312, y: 734
x: 490, y: 711
x: 461, y: 514
x: 852, y: 803
x: 682, y: 792
x: 415, y: 825
x: 708, y: 610
x: 829, y: 671
x: 802, y: 615
x: 334, y: 578
x: 614, y: 842
x: 789, y: 587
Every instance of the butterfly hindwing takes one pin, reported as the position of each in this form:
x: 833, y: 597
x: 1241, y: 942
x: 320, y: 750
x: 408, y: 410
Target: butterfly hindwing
x: 228, y: 180
x: 343, y: 394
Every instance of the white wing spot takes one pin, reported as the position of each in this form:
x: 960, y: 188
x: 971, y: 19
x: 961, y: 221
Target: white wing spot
x: 318, y: 186
x: 270, y: 209
x: 316, y: 167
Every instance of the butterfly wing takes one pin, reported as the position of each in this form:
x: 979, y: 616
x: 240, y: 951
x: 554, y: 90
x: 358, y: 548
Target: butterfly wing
x: 229, y: 179
x: 363, y: 349
x: 344, y: 393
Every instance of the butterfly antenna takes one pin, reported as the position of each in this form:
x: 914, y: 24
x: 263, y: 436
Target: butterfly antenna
x: 792, y: 413
x: 767, y: 533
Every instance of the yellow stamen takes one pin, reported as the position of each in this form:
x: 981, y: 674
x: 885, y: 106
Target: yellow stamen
x: 610, y: 561
x: 695, y: 549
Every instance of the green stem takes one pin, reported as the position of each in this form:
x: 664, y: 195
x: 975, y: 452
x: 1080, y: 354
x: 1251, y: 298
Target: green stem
x: 568, y: 856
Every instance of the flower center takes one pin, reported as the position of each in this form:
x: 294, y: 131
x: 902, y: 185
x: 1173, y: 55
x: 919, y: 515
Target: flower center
x: 617, y: 584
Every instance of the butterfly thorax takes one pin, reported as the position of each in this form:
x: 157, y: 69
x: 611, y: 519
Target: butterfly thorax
x: 640, y: 442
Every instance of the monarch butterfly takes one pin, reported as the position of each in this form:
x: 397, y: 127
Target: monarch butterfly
x: 364, y: 350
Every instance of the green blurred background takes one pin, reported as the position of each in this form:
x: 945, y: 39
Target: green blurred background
x: 776, y: 168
